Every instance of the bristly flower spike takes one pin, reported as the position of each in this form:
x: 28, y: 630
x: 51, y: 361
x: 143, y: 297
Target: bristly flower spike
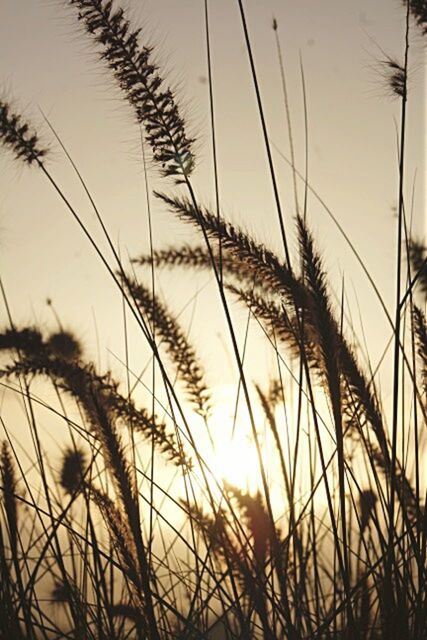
x: 397, y: 78
x: 17, y: 136
x: 64, y: 345
x: 417, y: 252
x: 72, y: 470
x: 9, y: 482
x: 137, y: 76
x: 418, y: 8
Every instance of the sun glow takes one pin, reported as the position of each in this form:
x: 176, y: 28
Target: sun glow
x: 236, y: 461
x: 233, y: 458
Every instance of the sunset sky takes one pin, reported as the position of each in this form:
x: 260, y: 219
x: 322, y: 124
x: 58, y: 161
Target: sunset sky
x: 47, y: 65
x: 241, y: 454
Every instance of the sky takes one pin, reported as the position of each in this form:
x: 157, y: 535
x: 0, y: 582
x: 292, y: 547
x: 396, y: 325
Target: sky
x: 50, y: 72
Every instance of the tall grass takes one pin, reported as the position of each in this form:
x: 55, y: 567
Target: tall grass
x: 134, y: 533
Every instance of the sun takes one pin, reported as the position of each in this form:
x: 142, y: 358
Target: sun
x: 236, y: 462
x: 233, y: 456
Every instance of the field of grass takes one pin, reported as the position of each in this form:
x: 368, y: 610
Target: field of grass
x: 168, y: 502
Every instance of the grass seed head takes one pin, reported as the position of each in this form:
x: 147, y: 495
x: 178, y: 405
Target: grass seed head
x: 17, y: 136
x: 64, y: 345
x: 132, y: 65
x: 72, y: 471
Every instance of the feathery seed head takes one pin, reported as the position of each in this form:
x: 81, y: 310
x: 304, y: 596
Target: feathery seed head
x: 17, y: 136
x: 418, y: 8
x: 189, y: 369
x: 420, y: 329
x: 27, y: 340
x: 154, y: 104
x: 7, y: 469
x: 417, y: 252
x: 72, y: 470
x: 394, y: 76
x: 275, y: 392
x: 98, y: 394
x: 255, y: 515
x: 64, y: 345
x: 9, y: 482
x: 397, y: 78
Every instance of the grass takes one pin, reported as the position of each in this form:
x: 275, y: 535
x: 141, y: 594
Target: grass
x: 134, y: 533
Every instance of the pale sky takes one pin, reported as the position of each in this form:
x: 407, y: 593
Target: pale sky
x: 47, y: 64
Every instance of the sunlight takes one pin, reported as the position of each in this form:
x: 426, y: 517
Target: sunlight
x: 236, y: 461
x: 234, y: 457
x: 207, y: 428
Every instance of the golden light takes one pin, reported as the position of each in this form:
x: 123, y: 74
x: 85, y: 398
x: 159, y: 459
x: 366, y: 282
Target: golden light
x: 233, y: 457
x: 236, y: 461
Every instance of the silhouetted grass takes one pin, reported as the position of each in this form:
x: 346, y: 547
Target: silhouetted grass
x: 332, y: 542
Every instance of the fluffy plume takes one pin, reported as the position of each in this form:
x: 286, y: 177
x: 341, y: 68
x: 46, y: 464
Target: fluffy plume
x: 418, y: 257
x: 418, y: 9
x: 255, y: 259
x: 17, y: 136
x: 9, y: 482
x: 327, y: 333
x: 184, y: 256
x: 72, y: 470
x: 64, y: 345
x: 120, y: 533
x: 189, y: 257
x: 132, y: 65
x: 255, y: 516
x: 358, y: 398
x: 420, y: 326
x: 27, y: 340
x: 233, y: 550
x: 367, y: 502
x: 98, y: 394
x: 189, y: 369
x: 396, y: 77
x: 269, y: 402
